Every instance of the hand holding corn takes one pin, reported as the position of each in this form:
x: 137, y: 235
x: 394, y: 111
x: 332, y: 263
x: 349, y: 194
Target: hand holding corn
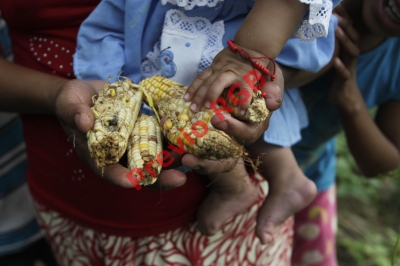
x: 72, y: 102
x: 226, y: 69
x: 117, y: 128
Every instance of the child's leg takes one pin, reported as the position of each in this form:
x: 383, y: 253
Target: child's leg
x: 289, y: 189
x: 315, y: 231
x: 231, y: 193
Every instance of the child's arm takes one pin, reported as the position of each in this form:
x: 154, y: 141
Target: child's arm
x: 264, y: 32
x: 269, y: 25
x: 374, y: 145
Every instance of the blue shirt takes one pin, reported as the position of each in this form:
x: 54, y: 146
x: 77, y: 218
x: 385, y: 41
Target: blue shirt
x: 378, y: 80
x: 111, y: 39
x: 129, y: 41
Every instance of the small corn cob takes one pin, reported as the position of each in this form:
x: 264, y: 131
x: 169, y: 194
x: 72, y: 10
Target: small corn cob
x: 144, y: 149
x: 191, y: 131
x: 115, y: 109
x: 256, y: 112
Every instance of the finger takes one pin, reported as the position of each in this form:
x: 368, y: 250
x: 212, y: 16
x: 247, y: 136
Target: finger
x: 73, y: 105
x: 244, y: 98
x: 83, y: 118
x: 117, y: 175
x: 220, y: 82
x: 341, y: 68
x: 169, y: 179
x: 243, y: 132
x: 199, y: 98
x: 274, y: 91
x: 172, y: 158
x: 348, y: 28
x: 211, y: 90
x: 162, y: 121
x: 208, y: 167
x: 346, y: 44
x: 340, y: 9
x: 196, y: 84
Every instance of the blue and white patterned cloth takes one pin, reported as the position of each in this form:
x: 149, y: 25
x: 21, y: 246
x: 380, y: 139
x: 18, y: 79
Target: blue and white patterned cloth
x: 179, y: 39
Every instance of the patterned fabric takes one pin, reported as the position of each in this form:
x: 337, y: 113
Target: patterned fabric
x: 190, y: 4
x: 315, y: 232
x: 235, y: 244
x: 317, y: 22
x: 116, y: 40
x: 314, y: 25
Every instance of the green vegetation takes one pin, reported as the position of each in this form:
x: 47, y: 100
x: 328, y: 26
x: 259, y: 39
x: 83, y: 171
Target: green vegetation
x: 368, y: 214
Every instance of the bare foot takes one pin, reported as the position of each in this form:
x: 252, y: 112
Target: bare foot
x: 223, y: 202
x: 283, y: 200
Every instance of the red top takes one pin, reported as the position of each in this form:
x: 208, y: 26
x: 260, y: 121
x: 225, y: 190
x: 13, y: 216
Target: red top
x: 43, y: 34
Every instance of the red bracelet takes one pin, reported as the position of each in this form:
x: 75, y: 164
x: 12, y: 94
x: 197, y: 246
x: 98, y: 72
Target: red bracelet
x: 256, y: 64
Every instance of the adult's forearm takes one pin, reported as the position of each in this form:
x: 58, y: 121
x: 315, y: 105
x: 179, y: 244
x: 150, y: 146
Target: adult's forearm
x: 269, y: 25
x: 24, y: 90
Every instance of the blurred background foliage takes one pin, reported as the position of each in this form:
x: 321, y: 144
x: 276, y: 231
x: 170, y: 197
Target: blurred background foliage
x: 368, y: 213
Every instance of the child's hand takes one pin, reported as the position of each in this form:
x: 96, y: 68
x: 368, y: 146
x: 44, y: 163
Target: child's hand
x: 226, y: 69
x: 246, y: 132
x: 344, y: 91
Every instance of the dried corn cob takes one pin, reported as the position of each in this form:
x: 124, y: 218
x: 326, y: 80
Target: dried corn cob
x: 144, y: 149
x: 191, y: 131
x: 115, y: 109
x: 257, y: 111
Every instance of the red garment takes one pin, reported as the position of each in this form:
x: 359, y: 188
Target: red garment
x: 43, y: 34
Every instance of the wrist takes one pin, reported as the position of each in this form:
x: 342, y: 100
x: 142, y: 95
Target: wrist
x: 50, y: 95
x: 253, y: 52
x: 259, y: 61
x: 350, y: 109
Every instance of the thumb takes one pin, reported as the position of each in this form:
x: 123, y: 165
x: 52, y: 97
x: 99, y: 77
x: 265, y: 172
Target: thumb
x: 73, y: 105
x: 83, y: 118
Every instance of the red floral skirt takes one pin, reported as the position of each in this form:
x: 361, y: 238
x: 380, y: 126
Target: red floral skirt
x: 234, y: 244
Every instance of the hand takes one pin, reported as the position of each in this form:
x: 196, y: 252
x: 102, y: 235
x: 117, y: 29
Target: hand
x: 72, y: 104
x: 226, y: 69
x: 344, y: 92
x: 247, y: 132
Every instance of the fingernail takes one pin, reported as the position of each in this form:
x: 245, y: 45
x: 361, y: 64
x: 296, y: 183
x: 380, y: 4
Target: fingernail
x: 243, y: 112
x: 220, y: 116
x: 186, y: 96
x: 223, y: 125
x: 76, y: 118
x: 207, y: 104
x: 193, y: 107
